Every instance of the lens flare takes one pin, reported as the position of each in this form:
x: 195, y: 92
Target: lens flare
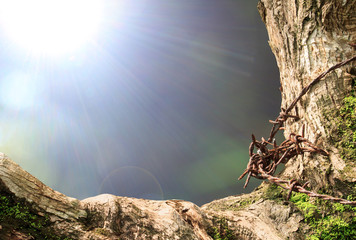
x: 131, y: 181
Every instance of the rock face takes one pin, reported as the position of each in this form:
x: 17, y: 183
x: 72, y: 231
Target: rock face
x: 128, y: 218
x: 113, y: 217
x: 101, y: 217
x: 254, y: 216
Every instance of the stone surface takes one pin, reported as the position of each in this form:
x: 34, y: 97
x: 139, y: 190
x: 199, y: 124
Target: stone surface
x: 131, y: 218
x: 251, y: 216
x: 104, y: 216
x: 112, y: 217
x: 26, y: 186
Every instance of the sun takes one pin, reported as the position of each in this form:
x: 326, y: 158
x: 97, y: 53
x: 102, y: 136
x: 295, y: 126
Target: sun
x: 50, y: 26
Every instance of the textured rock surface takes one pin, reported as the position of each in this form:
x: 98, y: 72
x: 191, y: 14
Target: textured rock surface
x: 131, y: 218
x: 112, y: 217
x: 24, y: 185
x: 104, y: 216
x: 252, y: 216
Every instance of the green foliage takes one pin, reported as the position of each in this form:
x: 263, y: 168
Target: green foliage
x: 19, y: 216
x: 328, y: 221
x: 221, y: 231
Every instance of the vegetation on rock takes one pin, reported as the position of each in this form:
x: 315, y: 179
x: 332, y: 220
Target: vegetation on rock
x: 327, y: 220
x: 342, y: 126
x: 221, y: 230
x: 273, y: 192
x: 18, y: 215
x: 347, y: 127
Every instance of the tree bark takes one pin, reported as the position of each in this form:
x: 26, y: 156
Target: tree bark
x: 307, y: 37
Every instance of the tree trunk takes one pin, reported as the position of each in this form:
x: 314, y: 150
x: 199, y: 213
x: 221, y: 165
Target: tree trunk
x: 307, y: 37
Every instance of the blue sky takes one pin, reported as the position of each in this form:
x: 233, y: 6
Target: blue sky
x: 159, y: 104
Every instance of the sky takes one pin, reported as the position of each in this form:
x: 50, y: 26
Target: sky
x: 158, y: 103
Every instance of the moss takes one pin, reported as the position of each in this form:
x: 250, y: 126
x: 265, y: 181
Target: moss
x: 303, y: 203
x: 347, y: 127
x: 326, y: 220
x: 273, y: 192
x: 221, y: 230
x: 17, y: 214
x: 341, y: 126
x: 245, y: 203
x: 234, y: 203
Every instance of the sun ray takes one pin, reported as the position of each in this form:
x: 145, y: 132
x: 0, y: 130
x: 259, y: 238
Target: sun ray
x: 50, y: 27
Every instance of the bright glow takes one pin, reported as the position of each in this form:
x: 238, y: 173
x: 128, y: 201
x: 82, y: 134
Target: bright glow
x: 50, y: 26
x: 18, y: 91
